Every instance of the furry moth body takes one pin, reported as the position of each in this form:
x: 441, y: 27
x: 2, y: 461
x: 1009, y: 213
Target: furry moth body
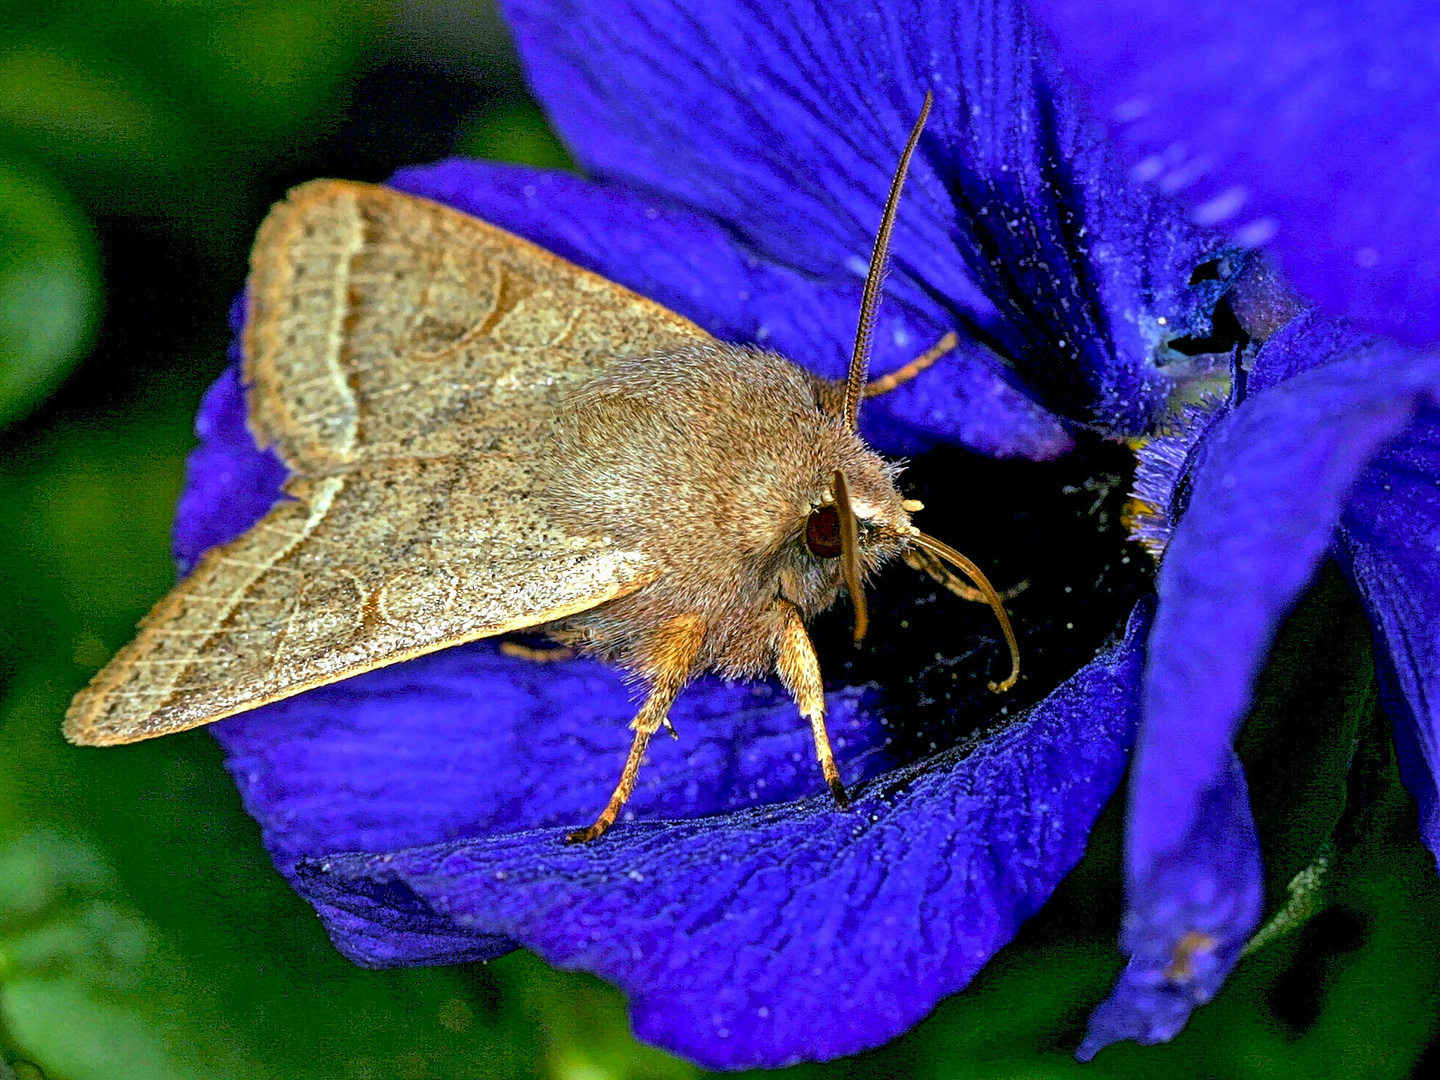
x: 484, y: 438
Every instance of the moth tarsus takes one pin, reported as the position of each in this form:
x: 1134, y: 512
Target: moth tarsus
x: 900, y: 376
x: 535, y: 655
x: 403, y: 356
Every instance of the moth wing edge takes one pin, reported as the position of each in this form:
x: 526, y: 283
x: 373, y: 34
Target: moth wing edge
x: 80, y: 729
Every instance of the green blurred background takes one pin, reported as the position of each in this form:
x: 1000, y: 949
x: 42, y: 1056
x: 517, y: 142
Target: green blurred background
x: 143, y: 933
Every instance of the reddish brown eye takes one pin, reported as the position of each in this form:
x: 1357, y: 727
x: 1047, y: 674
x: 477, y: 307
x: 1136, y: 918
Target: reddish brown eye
x: 822, y: 533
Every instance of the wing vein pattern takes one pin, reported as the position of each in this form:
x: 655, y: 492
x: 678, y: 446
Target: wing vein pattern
x: 406, y: 362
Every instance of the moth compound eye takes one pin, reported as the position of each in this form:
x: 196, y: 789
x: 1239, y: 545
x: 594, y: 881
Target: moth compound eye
x: 822, y: 533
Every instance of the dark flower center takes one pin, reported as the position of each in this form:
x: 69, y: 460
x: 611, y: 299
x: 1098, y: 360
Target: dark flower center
x: 1056, y: 527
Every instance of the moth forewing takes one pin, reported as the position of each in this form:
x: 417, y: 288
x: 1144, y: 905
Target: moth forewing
x: 342, y: 579
x: 406, y: 362
x: 385, y: 325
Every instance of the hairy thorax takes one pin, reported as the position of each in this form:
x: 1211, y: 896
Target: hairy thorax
x: 709, y: 461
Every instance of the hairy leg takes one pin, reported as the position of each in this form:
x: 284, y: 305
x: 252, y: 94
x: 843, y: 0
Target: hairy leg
x: 799, y: 670
x: 671, y: 663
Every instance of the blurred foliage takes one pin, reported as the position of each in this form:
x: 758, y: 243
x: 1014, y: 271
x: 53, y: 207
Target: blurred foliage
x: 515, y: 131
x: 49, y: 288
x: 144, y: 934
x: 166, y: 107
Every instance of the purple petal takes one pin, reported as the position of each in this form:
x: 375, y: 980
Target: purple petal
x: 784, y: 121
x: 774, y: 929
x: 1391, y: 542
x: 1091, y: 274
x: 1264, y: 507
x: 1186, y: 929
x: 695, y: 267
x: 1312, y: 125
x: 1311, y: 339
x: 470, y: 742
x: 1264, y: 504
x: 229, y: 482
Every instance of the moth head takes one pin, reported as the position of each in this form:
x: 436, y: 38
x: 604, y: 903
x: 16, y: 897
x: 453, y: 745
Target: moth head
x: 857, y: 522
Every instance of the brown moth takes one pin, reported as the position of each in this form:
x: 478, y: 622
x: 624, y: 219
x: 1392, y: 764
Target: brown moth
x: 484, y: 438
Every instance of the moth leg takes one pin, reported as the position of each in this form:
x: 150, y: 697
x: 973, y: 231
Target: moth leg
x: 671, y: 661
x: 536, y: 655
x: 799, y: 669
x: 920, y: 559
x: 900, y: 376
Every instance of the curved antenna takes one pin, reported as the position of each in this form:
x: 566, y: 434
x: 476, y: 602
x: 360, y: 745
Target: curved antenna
x: 879, y: 256
x: 850, y: 556
x: 970, y: 570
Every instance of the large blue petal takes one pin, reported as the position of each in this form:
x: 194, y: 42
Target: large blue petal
x: 1211, y: 888
x: 1266, y: 500
x: 1391, y: 545
x: 1309, y: 126
x: 775, y: 929
x: 696, y: 267
x: 471, y: 741
x: 783, y: 121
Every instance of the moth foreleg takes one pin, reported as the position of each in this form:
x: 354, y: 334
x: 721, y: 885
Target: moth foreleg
x: 521, y: 651
x: 670, y: 663
x: 799, y: 669
x: 900, y: 376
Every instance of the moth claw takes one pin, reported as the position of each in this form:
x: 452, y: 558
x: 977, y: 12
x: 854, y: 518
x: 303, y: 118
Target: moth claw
x: 837, y: 789
x: 584, y: 836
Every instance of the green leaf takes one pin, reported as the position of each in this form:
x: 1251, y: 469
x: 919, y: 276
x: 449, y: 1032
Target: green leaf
x: 272, y: 64
x: 49, y: 289
x: 515, y: 131
x: 87, y: 985
x: 85, y: 109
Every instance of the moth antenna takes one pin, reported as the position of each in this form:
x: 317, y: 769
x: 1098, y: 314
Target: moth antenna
x: 879, y: 256
x: 850, y: 556
x: 970, y: 570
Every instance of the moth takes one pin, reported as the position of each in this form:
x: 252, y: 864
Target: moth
x: 484, y: 438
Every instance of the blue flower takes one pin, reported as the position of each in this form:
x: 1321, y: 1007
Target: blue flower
x: 737, y: 156
x: 1254, y: 117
